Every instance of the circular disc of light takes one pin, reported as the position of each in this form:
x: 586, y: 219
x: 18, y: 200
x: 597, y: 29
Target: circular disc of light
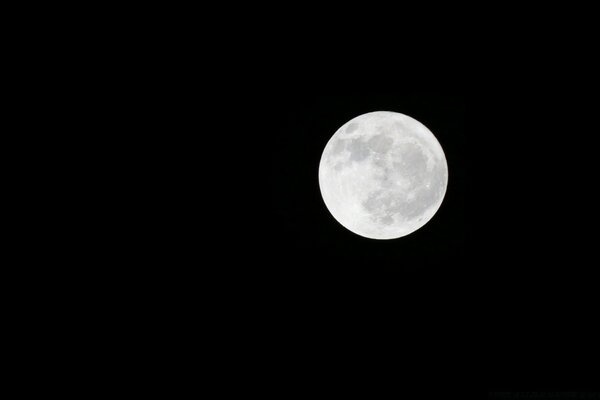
x: 383, y: 175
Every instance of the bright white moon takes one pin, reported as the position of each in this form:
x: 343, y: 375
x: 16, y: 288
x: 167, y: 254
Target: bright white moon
x: 383, y: 175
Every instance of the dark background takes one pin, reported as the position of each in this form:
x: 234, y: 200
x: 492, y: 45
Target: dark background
x: 188, y: 194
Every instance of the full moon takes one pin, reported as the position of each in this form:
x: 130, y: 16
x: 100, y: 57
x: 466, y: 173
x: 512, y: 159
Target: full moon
x: 383, y: 175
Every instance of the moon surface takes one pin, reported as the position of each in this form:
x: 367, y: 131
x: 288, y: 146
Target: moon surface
x: 383, y: 175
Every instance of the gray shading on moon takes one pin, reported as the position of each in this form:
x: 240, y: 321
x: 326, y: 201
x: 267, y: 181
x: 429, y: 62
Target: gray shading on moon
x: 383, y: 175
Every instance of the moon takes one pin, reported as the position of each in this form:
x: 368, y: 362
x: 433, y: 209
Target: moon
x: 383, y: 175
